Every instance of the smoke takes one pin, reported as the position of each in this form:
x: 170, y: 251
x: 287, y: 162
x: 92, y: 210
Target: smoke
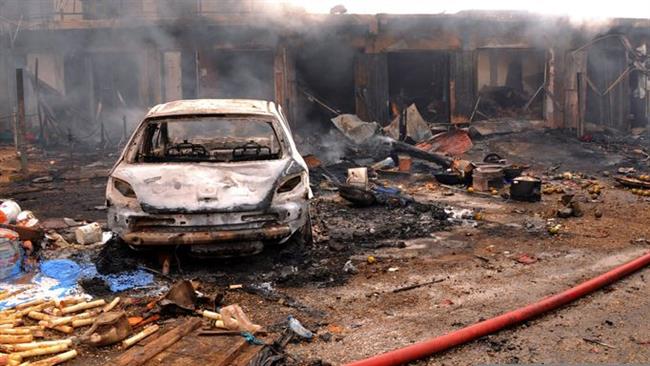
x: 572, y: 9
x: 99, y: 77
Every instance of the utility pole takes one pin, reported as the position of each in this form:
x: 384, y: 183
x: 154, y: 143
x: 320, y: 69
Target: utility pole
x: 19, y: 126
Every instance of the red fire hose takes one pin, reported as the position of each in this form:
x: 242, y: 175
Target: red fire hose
x: 426, y: 348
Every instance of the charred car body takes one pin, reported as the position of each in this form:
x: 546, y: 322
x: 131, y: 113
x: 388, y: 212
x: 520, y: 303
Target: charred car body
x: 221, y: 176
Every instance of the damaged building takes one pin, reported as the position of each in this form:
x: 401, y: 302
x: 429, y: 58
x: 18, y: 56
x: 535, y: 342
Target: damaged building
x: 100, y: 63
x: 244, y: 182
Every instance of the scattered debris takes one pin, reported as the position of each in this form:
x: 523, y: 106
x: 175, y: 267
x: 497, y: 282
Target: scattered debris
x: 417, y: 285
x: 526, y: 259
x: 595, y: 341
x: 136, y: 357
x: 298, y: 329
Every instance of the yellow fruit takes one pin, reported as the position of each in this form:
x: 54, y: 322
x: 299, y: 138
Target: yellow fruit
x: 554, y: 229
x: 371, y: 259
x: 470, y: 189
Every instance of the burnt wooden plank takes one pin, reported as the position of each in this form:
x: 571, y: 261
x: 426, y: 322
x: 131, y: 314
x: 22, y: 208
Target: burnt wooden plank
x: 246, y: 355
x: 462, y: 85
x: 140, y: 355
x: 371, y: 87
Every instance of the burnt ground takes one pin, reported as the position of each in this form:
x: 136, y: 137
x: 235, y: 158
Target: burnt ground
x: 476, y: 263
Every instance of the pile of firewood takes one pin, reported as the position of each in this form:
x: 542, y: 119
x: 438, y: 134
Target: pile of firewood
x: 44, y: 328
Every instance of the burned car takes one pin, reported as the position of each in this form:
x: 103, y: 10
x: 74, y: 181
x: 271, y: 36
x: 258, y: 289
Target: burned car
x: 221, y: 177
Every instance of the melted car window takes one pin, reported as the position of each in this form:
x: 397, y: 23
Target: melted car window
x: 212, y: 139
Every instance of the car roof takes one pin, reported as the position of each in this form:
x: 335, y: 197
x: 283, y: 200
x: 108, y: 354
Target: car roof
x: 213, y: 106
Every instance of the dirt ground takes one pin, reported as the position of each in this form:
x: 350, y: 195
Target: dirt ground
x: 494, y: 256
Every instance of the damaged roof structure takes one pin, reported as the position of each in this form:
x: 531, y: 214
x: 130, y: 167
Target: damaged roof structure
x: 110, y: 57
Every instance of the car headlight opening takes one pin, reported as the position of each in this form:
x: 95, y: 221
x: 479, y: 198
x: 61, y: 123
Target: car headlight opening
x: 124, y: 188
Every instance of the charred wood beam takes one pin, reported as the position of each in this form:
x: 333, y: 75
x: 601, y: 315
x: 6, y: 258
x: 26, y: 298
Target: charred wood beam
x: 402, y: 147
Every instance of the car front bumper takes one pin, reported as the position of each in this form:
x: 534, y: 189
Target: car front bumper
x: 206, y: 236
x: 141, y: 229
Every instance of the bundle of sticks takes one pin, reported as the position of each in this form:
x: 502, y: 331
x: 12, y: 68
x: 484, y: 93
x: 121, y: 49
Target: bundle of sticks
x: 44, y: 328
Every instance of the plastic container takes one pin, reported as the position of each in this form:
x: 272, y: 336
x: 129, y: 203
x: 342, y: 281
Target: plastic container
x: 10, y: 254
x: 88, y: 234
x: 358, y: 177
x: 297, y: 328
x: 404, y: 162
x: 485, y: 178
x: 9, y: 211
x: 386, y: 163
x: 26, y: 219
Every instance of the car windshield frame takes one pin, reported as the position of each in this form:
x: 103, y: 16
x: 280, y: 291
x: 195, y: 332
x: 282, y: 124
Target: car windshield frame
x: 248, y: 153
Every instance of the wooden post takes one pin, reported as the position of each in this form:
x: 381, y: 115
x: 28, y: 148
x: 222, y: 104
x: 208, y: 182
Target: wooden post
x: 91, y: 90
x: 19, y: 129
x: 38, y: 105
x: 582, y: 104
x: 125, y: 137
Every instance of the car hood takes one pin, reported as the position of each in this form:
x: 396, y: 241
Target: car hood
x: 205, y: 187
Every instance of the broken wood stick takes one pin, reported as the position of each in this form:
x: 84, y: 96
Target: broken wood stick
x: 140, y: 336
x: 55, y: 360
x: 57, y: 348
x: 72, y: 300
x: 39, y: 316
x: 595, y: 341
x: 30, y: 327
x: 38, y: 307
x: 77, y: 323
x: 61, y: 328
x: 12, y: 339
x: 60, y: 321
x: 12, y: 322
x: 138, y: 356
x: 471, y: 117
x: 12, y: 360
x: 29, y: 304
x: 71, y: 318
x: 15, y: 331
x: 83, y: 306
x: 31, y: 345
x: 111, y: 305
x: 414, y: 286
x: 210, y: 314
